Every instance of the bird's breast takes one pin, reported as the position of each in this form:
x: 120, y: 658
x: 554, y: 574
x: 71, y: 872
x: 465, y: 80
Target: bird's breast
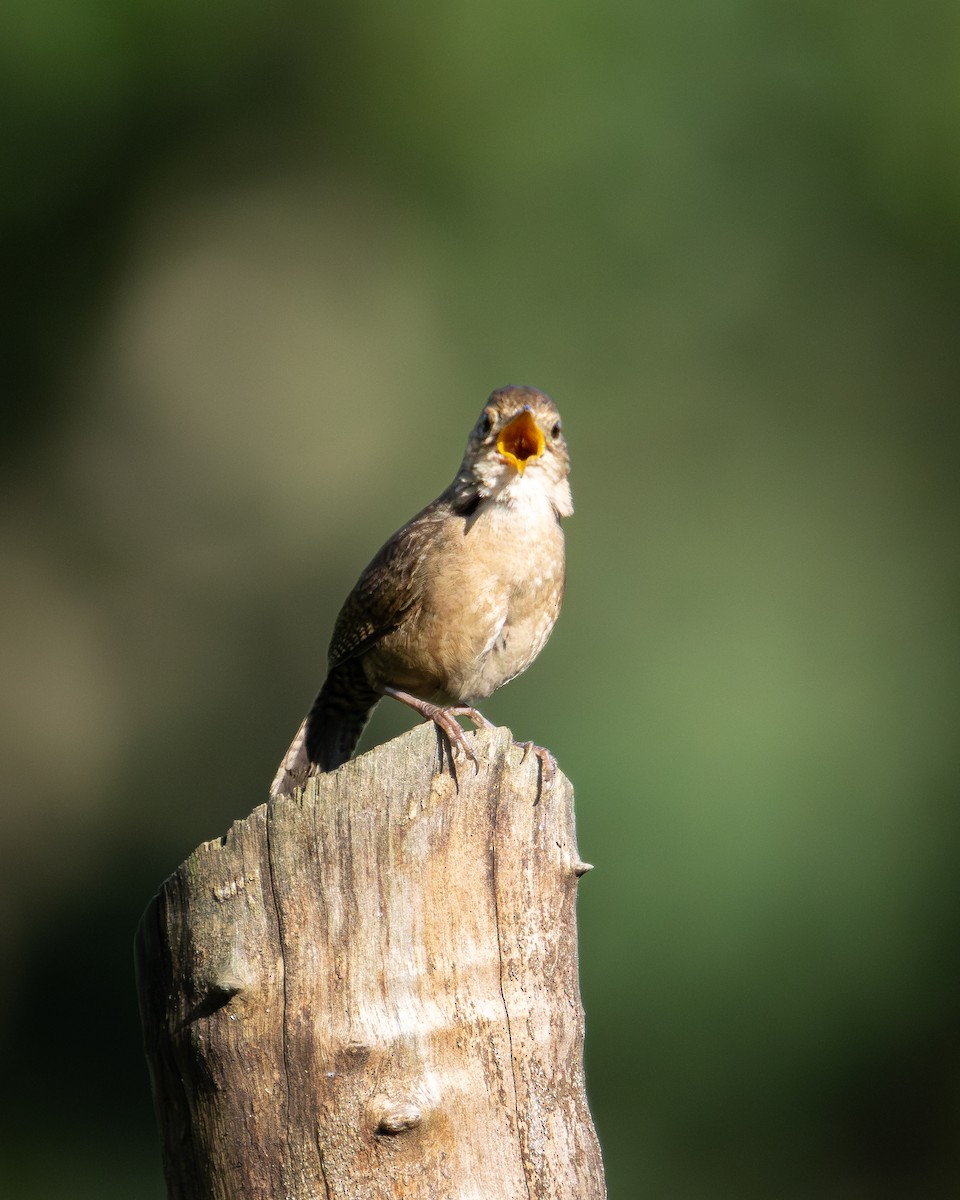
x: 491, y: 590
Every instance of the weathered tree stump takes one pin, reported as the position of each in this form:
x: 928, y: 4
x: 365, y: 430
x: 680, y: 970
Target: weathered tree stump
x: 369, y: 990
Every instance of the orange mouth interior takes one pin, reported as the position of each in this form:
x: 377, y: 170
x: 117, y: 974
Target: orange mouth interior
x: 520, y: 441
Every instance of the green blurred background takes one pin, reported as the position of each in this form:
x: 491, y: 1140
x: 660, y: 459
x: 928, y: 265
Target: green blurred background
x: 262, y: 264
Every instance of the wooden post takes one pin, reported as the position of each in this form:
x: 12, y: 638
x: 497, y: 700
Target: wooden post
x: 369, y: 990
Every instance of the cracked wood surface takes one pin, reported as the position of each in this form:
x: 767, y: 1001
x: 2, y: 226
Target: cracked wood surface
x: 369, y: 990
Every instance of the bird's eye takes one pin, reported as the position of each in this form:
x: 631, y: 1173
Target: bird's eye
x: 485, y: 424
x: 555, y: 431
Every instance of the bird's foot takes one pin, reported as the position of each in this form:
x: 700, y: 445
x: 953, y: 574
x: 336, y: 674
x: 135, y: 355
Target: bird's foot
x: 548, y: 764
x: 445, y: 720
x: 472, y: 714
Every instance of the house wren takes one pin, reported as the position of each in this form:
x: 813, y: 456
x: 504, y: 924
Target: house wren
x: 460, y: 600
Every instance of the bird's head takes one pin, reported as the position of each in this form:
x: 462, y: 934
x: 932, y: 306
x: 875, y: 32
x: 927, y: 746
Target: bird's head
x: 517, y: 444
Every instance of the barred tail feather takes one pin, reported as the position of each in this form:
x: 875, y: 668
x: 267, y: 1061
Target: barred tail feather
x: 331, y: 729
x: 338, y: 715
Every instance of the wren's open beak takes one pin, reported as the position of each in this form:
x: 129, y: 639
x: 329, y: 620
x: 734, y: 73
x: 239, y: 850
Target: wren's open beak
x: 521, y: 440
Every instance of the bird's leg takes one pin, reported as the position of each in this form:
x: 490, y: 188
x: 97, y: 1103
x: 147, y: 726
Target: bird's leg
x: 445, y: 720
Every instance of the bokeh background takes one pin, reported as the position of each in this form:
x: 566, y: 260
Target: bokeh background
x: 262, y: 264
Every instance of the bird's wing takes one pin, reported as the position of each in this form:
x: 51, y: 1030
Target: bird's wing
x: 386, y: 592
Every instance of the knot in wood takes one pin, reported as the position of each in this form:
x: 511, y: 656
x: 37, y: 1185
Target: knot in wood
x: 391, y: 1116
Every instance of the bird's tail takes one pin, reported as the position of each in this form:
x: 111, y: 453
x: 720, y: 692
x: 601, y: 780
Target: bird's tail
x: 331, y: 729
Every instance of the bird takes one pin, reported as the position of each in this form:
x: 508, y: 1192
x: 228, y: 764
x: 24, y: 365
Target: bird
x: 459, y: 601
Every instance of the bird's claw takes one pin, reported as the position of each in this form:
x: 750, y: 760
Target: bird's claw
x: 548, y: 764
x: 455, y: 732
x: 445, y: 720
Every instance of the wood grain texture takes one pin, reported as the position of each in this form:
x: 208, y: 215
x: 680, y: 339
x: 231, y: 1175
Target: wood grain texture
x: 369, y: 990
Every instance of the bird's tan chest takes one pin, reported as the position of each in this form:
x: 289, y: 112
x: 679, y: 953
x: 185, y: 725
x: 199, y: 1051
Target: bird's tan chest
x: 491, y: 593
